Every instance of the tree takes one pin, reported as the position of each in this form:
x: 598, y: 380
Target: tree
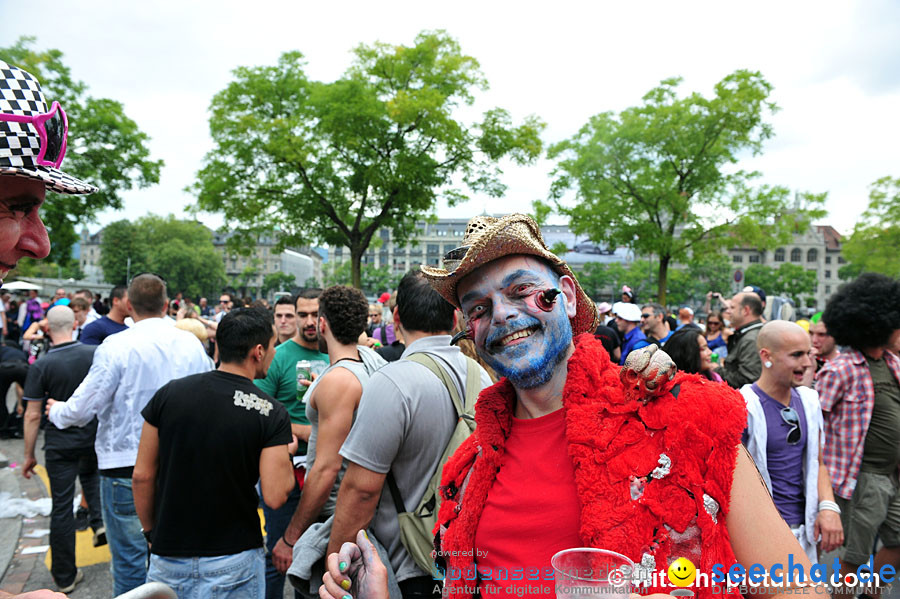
x: 788, y: 279
x: 876, y: 237
x: 374, y: 281
x: 655, y: 177
x: 689, y: 285
x: 336, y: 162
x: 105, y: 147
x: 597, y: 279
x: 277, y: 281
x: 179, y: 251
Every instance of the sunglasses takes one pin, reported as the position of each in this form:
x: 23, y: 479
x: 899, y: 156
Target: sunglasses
x: 52, y: 128
x: 792, y: 419
x: 645, y: 316
x: 713, y: 322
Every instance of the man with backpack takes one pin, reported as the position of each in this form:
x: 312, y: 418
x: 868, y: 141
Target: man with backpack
x: 406, y: 418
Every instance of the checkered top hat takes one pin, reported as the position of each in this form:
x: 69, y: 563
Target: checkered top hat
x: 20, y: 93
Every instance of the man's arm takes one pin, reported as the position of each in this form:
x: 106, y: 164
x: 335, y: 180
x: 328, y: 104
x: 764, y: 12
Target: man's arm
x: 357, y: 499
x: 303, y: 431
x: 96, y: 390
x: 276, y: 475
x: 143, y: 479
x: 758, y: 533
x: 828, y: 522
x: 336, y: 398
x: 32, y: 423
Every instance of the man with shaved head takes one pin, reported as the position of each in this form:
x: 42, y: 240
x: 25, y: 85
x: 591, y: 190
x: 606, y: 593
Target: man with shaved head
x: 785, y: 437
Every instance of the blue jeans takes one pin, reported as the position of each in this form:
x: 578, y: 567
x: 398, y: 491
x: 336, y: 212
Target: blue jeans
x: 239, y: 576
x: 123, y: 532
x: 276, y: 523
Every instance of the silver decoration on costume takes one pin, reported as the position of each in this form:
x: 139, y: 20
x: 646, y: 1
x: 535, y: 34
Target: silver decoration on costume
x: 711, y: 506
x: 637, y: 487
x: 643, y: 571
x: 665, y: 466
x: 685, y: 544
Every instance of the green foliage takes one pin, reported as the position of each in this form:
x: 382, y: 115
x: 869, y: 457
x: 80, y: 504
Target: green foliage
x: 876, y: 237
x: 603, y: 282
x: 29, y: 267
x: 105, y: 147
x: 688, y: 286
x: 657, y: 177
x: 335, y: 162
x: 375, y: 281
x: 278, y: 281
x: 180, y: 251
x: 788, y: 279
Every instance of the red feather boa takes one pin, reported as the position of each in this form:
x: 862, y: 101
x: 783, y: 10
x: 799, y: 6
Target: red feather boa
x: 615, y: 442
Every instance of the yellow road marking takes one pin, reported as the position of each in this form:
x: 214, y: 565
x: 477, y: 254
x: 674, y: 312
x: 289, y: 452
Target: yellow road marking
x: 85, y: 552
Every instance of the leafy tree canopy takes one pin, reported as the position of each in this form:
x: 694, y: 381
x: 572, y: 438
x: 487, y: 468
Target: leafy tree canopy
x: 180, y: 251
x: 788, y: 279
x: 658, y: 177
x: 876, y: 237
x: 105, y: 147
x: 375, y: 281
x: 278, y: 281
x: 335, y: 162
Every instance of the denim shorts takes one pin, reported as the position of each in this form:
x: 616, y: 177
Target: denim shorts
x: 237, y: 576
x: 873, y: 510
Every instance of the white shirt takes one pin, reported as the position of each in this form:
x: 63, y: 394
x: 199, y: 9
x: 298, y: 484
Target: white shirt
x: 128, y: 368
x: 91, y: 317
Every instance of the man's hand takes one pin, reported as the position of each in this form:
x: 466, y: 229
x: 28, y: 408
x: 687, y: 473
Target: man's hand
x: 357, y: 569
x: 828, y: 524
x: 293, y: 445
x: 282, y: 556
x: 50, y: 404
x: 28, y: 466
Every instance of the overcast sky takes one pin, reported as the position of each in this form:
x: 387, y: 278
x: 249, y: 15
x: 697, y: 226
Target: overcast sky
x: 835, y: 67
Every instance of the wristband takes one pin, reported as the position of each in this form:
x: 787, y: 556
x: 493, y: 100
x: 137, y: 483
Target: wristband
x: 829, y: 505
x: 291, y: 545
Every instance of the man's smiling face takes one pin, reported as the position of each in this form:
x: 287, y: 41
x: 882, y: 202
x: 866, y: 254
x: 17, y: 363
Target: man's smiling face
x: 22, y: 232
x: 512, y: 333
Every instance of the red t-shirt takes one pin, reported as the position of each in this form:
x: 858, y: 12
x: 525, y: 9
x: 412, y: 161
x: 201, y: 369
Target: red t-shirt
x: 532, y: 511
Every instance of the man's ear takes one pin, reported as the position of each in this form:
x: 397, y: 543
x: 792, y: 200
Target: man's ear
x: 396, y: 314
x: 567, y: 286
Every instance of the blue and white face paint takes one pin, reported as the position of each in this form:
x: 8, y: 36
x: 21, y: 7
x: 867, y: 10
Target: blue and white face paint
x: 520, y: 327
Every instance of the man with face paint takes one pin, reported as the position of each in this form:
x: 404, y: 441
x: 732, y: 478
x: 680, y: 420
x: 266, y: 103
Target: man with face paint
x: 572, y: 451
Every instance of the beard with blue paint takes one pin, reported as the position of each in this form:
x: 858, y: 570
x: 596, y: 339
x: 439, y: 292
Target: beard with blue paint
x: 512, y: 334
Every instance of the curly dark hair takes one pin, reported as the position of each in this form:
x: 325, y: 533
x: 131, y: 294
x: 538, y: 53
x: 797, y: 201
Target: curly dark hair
x: 346, y: 310
x: 684, y: 350
x: 865, y: 312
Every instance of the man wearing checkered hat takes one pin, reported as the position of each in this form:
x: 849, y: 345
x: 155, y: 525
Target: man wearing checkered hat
x: 32, y: 148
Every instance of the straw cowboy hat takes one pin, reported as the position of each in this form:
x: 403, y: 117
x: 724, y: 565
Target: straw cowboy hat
x: 488, y: 238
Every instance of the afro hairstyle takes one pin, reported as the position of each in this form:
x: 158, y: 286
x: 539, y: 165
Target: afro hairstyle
x: 865, y: 312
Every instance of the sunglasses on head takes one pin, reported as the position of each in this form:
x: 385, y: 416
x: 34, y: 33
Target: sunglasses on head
x: 792, y: 419
x: 52, y: 128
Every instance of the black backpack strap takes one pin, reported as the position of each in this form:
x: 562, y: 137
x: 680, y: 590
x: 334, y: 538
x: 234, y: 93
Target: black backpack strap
x: 395, y: 492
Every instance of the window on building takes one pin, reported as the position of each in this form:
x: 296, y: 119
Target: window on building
x: 434, y: 248
x: 449, y: 247
x: 737, y: 258
x: 827, y: 274
x: 812, y: 255
x: 754, y: 258
x: 827, y: 289
x: 796, y: 255
x: 779, y: 255
x: 841, y: 260
x: 827, y: 259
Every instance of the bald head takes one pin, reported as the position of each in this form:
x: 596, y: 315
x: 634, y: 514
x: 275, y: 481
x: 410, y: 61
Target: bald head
x: 775, y: 335
x: 60, y: 319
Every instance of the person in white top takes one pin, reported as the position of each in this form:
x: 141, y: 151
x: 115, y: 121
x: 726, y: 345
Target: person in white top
x: 128, y: 368
x: 785, y: 436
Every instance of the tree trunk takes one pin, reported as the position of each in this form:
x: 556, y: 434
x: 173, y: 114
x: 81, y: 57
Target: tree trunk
x: 356, y: 266
x: 663, y: 278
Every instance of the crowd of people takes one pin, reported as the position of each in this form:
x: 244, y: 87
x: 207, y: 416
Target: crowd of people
x: 484, y: 416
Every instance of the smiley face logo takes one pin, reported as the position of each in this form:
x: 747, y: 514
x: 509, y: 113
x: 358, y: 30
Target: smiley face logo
x: 682, y: 572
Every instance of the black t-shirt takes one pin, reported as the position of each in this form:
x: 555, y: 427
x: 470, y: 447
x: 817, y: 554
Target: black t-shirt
x: 608, y: 337
x: 212, y: 430
x: 56, y: 375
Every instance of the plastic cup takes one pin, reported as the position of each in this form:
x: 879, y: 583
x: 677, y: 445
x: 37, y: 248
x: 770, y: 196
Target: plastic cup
x: 586, y: 573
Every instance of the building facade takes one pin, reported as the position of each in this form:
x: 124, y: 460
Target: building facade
x: 817, y: 249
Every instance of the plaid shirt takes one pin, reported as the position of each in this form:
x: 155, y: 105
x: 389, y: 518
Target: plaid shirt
x: 848, y: 397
